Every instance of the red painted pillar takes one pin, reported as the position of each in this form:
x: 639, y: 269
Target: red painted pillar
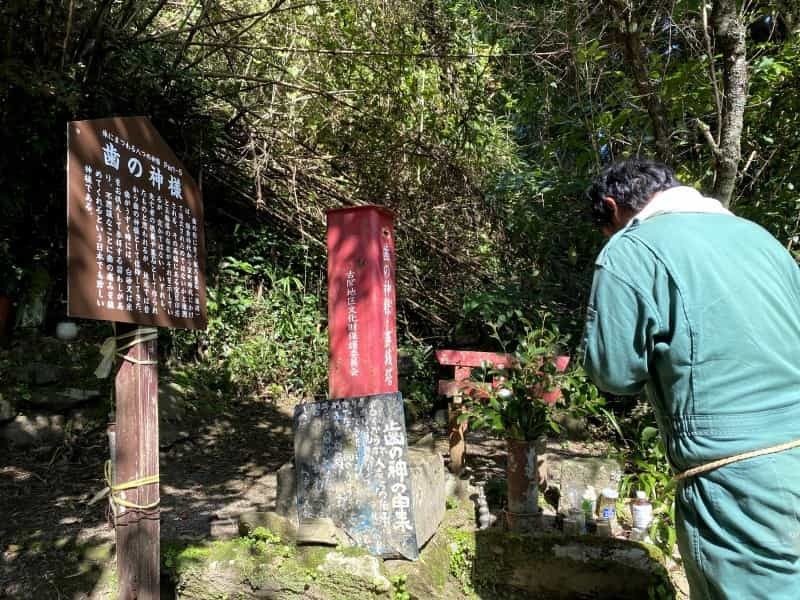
x: 362, y: 331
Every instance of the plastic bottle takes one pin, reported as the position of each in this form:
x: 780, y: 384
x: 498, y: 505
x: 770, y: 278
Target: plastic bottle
x: 580, y: 519
x: 607, y: 509
x: 640, y: 535
x: 641, y: 511
x: 589, y: 503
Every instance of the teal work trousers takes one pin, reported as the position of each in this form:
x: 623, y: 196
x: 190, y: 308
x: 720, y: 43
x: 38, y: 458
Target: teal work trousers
x: 739, y: 529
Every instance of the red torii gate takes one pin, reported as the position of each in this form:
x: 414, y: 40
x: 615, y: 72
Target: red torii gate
x: 464, y: 361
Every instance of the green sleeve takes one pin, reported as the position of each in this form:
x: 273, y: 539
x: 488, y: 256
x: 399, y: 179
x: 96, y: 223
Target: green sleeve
x: 621, y: 325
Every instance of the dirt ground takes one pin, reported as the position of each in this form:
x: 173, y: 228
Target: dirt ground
x: 56, y: 546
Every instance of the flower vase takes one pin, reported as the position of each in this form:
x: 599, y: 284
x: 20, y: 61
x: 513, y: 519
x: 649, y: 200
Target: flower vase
x: 522, y: 472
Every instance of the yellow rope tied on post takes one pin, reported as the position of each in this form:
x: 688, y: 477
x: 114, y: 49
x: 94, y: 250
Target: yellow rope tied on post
x: 735, y: 458
x: 112, y: 490
x: 110, y: 349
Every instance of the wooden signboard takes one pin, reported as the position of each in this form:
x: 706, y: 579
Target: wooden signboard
x: 136, y: 249
x: 351, y: 466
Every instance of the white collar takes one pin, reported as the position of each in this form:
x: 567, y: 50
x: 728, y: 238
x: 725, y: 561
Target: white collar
x: 681, y: 199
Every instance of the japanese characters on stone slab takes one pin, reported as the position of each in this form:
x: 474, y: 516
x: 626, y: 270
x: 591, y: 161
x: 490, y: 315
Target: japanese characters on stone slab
x: 136, y: 247
x: 351, y: 465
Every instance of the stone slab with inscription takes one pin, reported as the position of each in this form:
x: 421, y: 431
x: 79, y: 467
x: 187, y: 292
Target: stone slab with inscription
x: 428, y: 480
x: 351, y: 464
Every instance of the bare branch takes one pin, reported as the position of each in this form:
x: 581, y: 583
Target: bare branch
x: 706, y: 131
x: 67, y: 34
x: 185, y: 45
x: 275, y: 8
x: 236, y: 19
x: 387, y: 53
x: 331, y: 94
x: 150, y: 18
x: 713, y: 71
x: 636, y: 55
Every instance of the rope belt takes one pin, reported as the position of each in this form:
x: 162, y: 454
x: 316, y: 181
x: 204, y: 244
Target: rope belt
x: 111, y: 348
x: 716, y: 464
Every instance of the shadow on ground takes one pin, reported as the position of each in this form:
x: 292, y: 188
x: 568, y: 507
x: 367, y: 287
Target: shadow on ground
x: 56, y: 546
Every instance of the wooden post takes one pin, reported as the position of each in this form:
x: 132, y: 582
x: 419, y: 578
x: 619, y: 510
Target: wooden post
x: 136, y: 456
x: 458, y: 447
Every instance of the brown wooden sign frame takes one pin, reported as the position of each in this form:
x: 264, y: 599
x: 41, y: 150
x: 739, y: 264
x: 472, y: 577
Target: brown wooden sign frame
x: 136, y: 245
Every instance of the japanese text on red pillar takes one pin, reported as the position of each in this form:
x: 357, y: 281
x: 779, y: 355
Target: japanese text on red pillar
x: 146, y: 238
x: 388, y: 322
x: 352, y: 322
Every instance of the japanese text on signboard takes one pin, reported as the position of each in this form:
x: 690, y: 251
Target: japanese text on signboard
x: 146, y: 245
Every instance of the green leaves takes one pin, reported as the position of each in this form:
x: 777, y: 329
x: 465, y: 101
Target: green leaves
x: 649, y: 435
x: 516, y: 407
x: 649, y: 471
x: 770, y: 68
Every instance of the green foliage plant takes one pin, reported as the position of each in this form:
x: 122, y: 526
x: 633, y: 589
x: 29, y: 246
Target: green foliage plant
x: 462, y: 559
x: 283, y: 347
x: 648, y: 470
x: 265, y: 335
x: 521, y: 407
x: 10, y: 272
x: 417, y: 377
x: 583, y: 400
x: 399, y: 589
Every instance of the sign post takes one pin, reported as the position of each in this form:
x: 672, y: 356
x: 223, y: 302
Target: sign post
x: 136, y: 256
x: 138, y: 529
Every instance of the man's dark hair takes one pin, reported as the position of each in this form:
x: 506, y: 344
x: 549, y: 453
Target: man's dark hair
x: 631, y: 183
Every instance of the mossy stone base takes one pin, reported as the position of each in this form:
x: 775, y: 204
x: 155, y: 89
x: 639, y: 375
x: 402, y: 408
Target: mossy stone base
x: 459, y: 562
x: 261, y: 566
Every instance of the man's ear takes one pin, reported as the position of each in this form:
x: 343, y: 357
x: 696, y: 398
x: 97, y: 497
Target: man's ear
x: 611, y: 205
x: 616, y: 220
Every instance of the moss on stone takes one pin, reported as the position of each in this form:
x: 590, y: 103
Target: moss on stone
x: 458, y: 563
x: 243, y: 566
x: 462, y: 562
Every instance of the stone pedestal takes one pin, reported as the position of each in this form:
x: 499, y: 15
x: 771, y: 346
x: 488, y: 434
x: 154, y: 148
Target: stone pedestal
x: 427, y: 478
x: 427, y: 474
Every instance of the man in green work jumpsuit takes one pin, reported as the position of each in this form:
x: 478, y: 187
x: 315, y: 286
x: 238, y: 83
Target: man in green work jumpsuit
x: 702, y: 309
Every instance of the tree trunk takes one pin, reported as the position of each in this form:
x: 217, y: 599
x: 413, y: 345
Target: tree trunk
x: 636, y: 56
x: 630, y: 39
x: 729, y: 35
